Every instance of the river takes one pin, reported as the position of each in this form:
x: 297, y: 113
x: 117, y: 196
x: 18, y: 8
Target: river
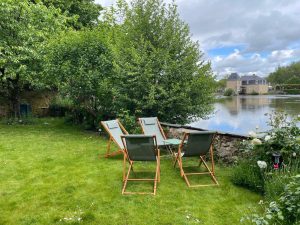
x: 241, y: 114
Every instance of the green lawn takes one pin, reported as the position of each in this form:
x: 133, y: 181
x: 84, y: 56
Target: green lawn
x: 50, y: 173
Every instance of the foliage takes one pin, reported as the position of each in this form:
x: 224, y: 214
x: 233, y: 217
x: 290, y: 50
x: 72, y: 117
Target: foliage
x: 247, y: 174
x: 129, y: 122
x: 79, y: 63
x: 275, y: 181
x: 24, y: 28
x: 160, y: 70
x: 229, y: 92
x: 284, y: 211
x: 282, y: 138
x: 286, y: 75
x: 86, y: 12
x: 222, y: 83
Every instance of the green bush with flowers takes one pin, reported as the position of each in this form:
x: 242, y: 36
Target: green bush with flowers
x: 280, y: 183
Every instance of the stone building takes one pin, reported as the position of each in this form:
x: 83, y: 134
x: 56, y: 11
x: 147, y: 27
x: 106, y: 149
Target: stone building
x: 247, y: 84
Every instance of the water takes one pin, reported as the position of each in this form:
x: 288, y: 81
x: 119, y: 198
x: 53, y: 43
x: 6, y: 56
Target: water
x: 241, y: 114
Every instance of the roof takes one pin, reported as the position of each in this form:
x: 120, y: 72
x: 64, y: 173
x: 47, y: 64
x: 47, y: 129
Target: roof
x: 252, y: 77
x: 233, y: 76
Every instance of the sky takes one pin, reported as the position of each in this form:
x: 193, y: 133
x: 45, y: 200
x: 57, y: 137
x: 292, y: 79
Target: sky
x: 243, y: 36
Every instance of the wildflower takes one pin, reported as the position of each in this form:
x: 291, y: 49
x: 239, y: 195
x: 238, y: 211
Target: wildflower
x: 252, y: 134
x: 268, y: 137
x: 256, y: 141
x: 294, y: 154
x: 262, y: 164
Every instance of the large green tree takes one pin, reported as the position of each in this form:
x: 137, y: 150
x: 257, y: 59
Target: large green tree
x: 79, y: 63
x: 87, y: 12
x: 286, y: 74
x: 160, y: 69
x: 24, y: 27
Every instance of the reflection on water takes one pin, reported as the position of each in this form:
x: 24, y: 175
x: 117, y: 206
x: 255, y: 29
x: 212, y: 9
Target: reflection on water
x: 242, y: 114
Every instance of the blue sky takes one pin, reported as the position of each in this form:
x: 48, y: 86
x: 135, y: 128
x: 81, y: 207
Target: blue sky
x: 243, y: 36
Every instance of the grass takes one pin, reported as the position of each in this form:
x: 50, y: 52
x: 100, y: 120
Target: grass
x: 50, y: 173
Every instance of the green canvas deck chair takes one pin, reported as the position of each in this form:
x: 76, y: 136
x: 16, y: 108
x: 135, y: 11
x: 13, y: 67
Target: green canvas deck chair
x: 115, y: 129
x: 151, y: 126
x: 198, y: 144
x: 140, y: 148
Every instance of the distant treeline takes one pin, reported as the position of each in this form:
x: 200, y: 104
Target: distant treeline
x: 286, y: 74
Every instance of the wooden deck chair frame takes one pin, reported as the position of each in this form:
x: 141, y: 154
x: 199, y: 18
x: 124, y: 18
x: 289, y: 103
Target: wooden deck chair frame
x: 126, y: 178
x: 112, y: 139
x: 161, y: 131
x: 202, y: 160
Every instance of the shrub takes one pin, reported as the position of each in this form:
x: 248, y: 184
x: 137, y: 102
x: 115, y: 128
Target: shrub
x: 229, y: 92
x: 281, y: 138
x: 248, y: 174
x: 286, y: 210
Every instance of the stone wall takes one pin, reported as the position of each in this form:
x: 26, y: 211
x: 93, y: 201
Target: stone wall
x: 39, y: 101
x: 233, y: 84
x: 226, y: 146
x: 257, y: 88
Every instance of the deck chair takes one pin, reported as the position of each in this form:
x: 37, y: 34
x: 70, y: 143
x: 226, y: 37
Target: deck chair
x: 151, y: 126
x: 115, y: 129
x: 198, y: 144
x: 140, y: 148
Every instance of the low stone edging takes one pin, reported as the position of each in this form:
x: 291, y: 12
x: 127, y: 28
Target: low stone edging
x: 226, y: 145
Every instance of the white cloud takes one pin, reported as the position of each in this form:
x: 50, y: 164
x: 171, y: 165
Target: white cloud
x: 268, y: 30
x: 255, y: 63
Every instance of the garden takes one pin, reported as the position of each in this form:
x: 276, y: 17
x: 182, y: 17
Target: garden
x: 126, y: 61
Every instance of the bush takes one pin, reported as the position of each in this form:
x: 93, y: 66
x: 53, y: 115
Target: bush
x: 282, y: 138
x: 247, y: 174
x: 286, y: 210
x: 254, y: 93
x: 229, y: 92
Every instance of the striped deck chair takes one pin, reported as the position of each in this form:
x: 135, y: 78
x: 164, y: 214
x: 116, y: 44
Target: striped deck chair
x: 151, y: 126
x: 115, y: 129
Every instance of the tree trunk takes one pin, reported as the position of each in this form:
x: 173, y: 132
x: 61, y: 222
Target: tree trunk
x: 14, y: 96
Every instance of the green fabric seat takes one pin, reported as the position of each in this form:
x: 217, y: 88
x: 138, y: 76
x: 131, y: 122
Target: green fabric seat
x: 151, y: 126
x: 140, y: 147
x: 198, y: 143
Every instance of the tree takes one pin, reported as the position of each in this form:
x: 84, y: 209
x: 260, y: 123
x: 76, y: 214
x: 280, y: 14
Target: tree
x: 161, y: 71
x: 87, y: 12
x: 79, y: 63
x: 286, y: 75
x: 24, y: 28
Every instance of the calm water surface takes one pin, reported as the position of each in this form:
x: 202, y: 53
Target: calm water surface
x: 242, y: 114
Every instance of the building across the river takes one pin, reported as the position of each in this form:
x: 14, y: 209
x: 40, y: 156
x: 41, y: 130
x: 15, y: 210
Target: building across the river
x: 247, y: 84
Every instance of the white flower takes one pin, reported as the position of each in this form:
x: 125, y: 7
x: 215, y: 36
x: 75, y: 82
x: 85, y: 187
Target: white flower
x: 262, y: 164
x: 256, y: 141
x: 294, y: 154
x: 252, y: 134
x: 268, y: 137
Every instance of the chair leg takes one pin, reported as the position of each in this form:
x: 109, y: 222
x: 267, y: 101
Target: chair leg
x: 182, y: 173
x: 210, y: 172
x: 176, y: 159
x: 126, y: 179
x: 108, y: 148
